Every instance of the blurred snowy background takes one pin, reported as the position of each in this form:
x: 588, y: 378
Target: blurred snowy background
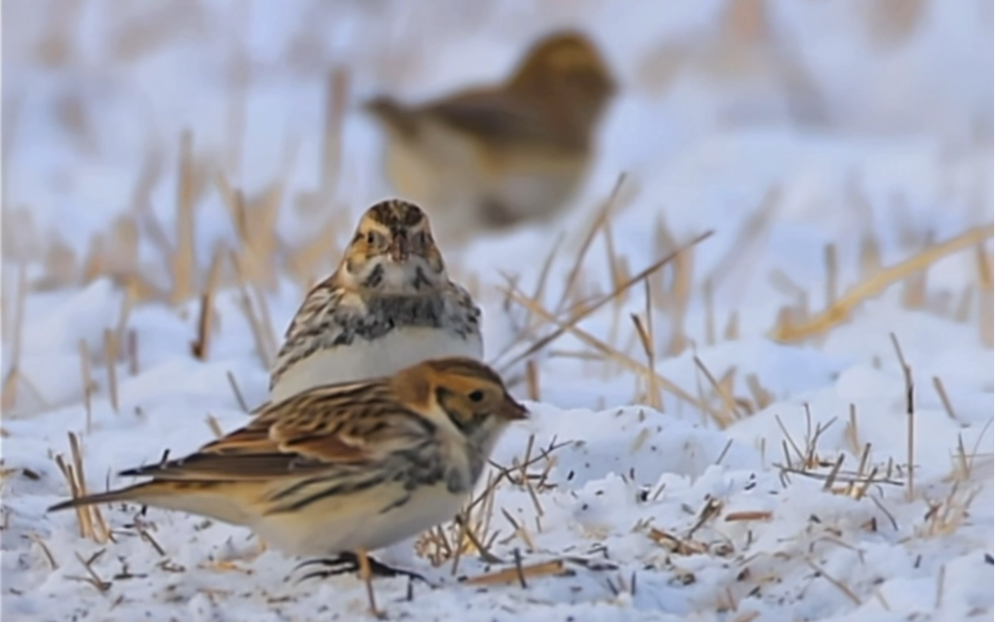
x: 163, y: 160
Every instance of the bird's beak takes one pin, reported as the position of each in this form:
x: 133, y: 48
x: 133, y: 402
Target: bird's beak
x: 399, y: 248
x: 512, y: 410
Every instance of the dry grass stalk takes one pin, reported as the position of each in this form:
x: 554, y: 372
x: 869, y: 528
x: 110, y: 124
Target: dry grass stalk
x: 254, y: 222
x: 730, y: 409
x: 940, y: 584
x: 709, y: 297
x: 709, y: 512
x: 518, y: 531
x: 965, y: 463
x: 675, y: 544
x: 834, y: 472
x: 9, y: 398
x: 851, y: 432
x: 127, y: 304
x: 944, y: 398
x: 946, y: 516
x: 34, y: 537
x: 578, y: 315
x: 469, y: 533
x: 962, y: 310
x: 132, y: 347
x: 532, y: 381
x: 731, y: 332
x: 762, y: 398
x: 238, y: 393
x: 870, y: 256
x: 836, y: 583
x: 749, y: 515
x: 90, y: 520
x: 111, y: 355
x: 910, y: 412
x: 743, y: 251
x: 517, y: 574
x: 267, y: 321
x: 914, y: 293
x: 141, y: 205
x: 60, y: 267
x: 84, y: 363
x: 184, y: 259
x: 841, y: 309
x: 646, y: 338
x: 263, y: 333
x: 680, y: 296
x: 337, y: 101
x: 781, y: 281
x: 92, y: 577
x: 832, y: 274
x: 200, y: 347
x: 616, y: 267
x: 607, y: 351
x: 599, y: 221
x: 986, y: 313
x: 212, y: 423
x: 547, y: 265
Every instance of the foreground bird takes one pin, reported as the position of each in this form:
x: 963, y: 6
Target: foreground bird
x: 343, y: 469
x: 490, y: 157
x: 390, y: 304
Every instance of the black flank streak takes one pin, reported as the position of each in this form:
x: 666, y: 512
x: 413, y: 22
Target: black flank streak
x: 396, y: 504
x: 454, y: 482
x: 374, y: 278
x: 420, y: 279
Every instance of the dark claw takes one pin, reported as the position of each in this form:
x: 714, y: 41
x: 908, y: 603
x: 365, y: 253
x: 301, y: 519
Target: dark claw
x: 383, y: 570
x: 348, y: 562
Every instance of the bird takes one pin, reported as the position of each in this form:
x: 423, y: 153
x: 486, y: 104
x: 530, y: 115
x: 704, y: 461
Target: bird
x: 490, y: 157
x: 343, y: 469
x: 388, y: 305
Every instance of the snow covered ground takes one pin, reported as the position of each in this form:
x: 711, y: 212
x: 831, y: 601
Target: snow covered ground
x: 865, y: 125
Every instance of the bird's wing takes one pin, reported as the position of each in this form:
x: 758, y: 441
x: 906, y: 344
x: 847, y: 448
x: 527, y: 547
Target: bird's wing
x: 503, y: 120
x: 351, y: 424
x: 321, y: 321
x: 460, y: 301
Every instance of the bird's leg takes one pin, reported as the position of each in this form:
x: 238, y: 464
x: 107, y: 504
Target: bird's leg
x: 366, y: 574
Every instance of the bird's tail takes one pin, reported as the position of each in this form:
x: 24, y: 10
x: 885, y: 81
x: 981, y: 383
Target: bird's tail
x: 392, y: 114
x: 124, y: 494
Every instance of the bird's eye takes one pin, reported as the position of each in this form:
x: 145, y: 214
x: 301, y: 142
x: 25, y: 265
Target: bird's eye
x: 476, y: 396
x: 371, y: 237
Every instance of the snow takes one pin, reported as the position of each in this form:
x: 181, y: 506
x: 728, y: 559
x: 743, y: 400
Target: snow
x: 902, y: 151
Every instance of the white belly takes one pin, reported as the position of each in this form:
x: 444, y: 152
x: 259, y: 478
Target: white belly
x: 363, y: 359
x: 335, y: 525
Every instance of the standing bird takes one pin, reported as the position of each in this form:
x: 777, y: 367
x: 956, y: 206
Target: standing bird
x: 490, y: 157
x: 389, y: 305
x: 343, y: 469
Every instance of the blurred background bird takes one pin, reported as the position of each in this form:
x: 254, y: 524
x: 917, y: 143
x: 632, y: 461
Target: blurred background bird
x: 487, y: 158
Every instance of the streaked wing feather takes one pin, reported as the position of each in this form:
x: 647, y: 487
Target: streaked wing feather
x: 352, y: 423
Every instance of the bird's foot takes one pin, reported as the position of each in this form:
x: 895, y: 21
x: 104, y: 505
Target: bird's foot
x: 349, y: 562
